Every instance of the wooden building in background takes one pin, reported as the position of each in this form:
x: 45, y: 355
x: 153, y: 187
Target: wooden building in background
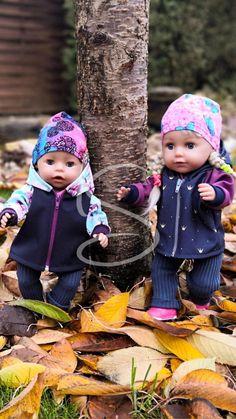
x: 31, y: 42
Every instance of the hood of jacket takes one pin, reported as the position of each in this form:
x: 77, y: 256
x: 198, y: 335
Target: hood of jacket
x: 83, y: 183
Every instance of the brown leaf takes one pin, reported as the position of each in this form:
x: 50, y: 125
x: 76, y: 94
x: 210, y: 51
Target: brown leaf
x: 206, y: 384
x: 143, y: 317
x: 9, y: 278
x: 64, y: 354
x: 99, y: 342
x: 109, y: 407
x: 176, y: 411
x: 202, y: 409
x: 17, y: 321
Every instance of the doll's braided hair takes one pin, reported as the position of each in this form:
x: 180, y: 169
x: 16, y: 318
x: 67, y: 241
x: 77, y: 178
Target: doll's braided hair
x: 214, y: 160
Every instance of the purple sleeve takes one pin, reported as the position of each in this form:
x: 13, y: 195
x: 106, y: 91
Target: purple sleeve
x: 224, y: 182
x: 101, y: 228
x: 13, y: 220
x: 139, y: 192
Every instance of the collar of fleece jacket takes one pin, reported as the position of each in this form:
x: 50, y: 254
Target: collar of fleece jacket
x: 84, y: 183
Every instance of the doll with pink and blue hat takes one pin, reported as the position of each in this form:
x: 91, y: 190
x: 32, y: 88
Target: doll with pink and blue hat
x: 194, y: 182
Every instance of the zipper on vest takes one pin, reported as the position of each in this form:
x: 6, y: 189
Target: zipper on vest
x: 58, y: 198
x: 177, y: 188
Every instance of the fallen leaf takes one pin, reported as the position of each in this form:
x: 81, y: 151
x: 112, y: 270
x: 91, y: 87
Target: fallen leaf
x: 144, y: 317
x: 64, y: 354
x: 206, y: 384
x: 49, y: 335
x: 144, y: 336
x: 19, y: 374
x: 178, y: 346
x: 188, y: 366
x: 27, y: 404
x: 118, y: 366
x: 99, y: 342
x: 17, y: 321
x: 77, y: 384
x: 112, y: 314
x: 109, y: 407
x: 215, y: 344
x: 46, y: 309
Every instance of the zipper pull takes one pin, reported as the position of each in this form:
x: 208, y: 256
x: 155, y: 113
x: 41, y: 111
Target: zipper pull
x: 178, y: 184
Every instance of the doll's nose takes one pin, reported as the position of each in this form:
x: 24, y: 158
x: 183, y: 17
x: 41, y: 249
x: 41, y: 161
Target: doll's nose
x: 178, y: 151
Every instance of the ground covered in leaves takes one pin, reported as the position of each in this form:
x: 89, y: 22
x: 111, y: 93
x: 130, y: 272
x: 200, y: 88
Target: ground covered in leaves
x: 107, y: 356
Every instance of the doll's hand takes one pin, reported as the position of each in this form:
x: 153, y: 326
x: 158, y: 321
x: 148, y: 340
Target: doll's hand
x: 4, y: 220
x: 122, y: 193
x: 206, y: 191
x: 102, y: 238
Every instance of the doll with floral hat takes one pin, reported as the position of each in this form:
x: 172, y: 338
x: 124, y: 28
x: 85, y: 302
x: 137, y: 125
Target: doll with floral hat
x: 60, y: 212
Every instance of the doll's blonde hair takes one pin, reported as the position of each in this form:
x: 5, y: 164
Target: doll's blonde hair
x: 214, y: 159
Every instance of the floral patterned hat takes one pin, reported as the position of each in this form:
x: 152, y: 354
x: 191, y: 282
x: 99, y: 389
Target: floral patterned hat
x: 61, y: 133
x: 194, y: 113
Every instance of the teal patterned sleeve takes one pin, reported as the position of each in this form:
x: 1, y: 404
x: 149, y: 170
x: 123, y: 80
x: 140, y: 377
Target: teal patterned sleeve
x: 96, y: 216
x: 20, y: 201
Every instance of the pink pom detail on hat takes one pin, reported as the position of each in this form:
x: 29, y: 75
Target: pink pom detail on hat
x: 61, y: 133
x: 194, y: 113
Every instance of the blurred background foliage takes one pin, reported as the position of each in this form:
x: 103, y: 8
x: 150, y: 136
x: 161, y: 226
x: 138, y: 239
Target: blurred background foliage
x: 191, y: 45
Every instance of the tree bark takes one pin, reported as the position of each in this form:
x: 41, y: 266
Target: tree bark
x: 112, y: 42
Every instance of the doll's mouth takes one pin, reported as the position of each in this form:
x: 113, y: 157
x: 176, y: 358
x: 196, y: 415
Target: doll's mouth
x: 59, y: 178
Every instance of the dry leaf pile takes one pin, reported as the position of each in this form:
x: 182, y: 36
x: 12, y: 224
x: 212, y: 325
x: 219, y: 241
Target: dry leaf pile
x: 108, y: 351
x: 103, y: 354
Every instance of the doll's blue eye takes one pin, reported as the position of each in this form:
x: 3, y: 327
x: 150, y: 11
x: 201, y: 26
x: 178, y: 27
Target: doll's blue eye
x: 50, y: 162
x: 170, y: 146
x: 190, y: 146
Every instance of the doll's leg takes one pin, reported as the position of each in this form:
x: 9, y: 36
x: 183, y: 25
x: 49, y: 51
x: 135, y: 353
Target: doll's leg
x: 204, y: 279
x: 29, y: 283
x: 165, y: 281
x: 65, y: 289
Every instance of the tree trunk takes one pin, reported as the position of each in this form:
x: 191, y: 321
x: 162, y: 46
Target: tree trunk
x: 112, y: 41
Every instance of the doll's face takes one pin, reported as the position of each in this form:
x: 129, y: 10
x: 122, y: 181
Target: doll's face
x: 59, y: 168
x: 184, y: 151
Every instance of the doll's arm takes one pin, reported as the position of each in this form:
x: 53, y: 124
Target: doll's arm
x: 17, y: 205
x: 97, y: 223
x: 223, y: 185
x: 137, y: 194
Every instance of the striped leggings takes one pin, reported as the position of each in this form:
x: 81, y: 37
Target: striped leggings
x: 202, y: 281
x: 60, y: 296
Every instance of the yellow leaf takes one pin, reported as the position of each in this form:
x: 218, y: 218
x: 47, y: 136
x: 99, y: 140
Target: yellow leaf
x: 117, y: 365
x: 111, y: 314
x: 3, y: 341
x: 226, y: 304
x: 192, y: 365
x: 9, y: 360
x: 215, y: 344
x: 27, y: 404
x: 20, y: 373
x: 80, y: 385
x: 174, y: 363
x: 178, y: 346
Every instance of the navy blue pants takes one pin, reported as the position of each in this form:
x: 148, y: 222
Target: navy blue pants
x: 60, y: 296
x: 202, y: 281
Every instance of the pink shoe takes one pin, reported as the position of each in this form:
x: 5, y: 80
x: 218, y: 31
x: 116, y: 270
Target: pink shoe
x: 160, y: 313
x: 202, y: 307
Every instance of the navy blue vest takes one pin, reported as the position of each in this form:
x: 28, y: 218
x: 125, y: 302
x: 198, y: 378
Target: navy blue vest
x: 31, y: 245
